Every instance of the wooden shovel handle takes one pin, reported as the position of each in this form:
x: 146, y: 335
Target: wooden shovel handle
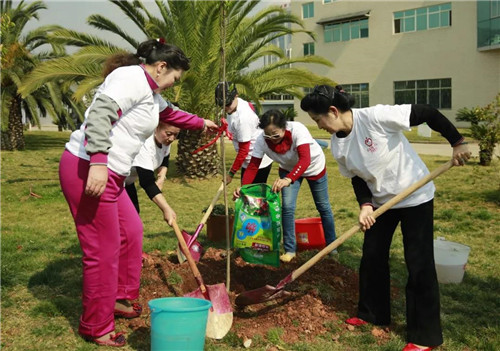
x: 212, y: 204
x: 396, y: 199
x: 192, y: 263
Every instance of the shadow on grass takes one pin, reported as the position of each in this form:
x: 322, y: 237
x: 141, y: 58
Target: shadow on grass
x: 473, y: 306
x: 60, y: 284
x: 45, y: 140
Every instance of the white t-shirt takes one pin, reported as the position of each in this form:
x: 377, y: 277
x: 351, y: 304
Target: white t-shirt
x: 140, y: 108
x: 150, y: 157
x: 243, y: 124
x: 288, y: 160
x: 377, y: 151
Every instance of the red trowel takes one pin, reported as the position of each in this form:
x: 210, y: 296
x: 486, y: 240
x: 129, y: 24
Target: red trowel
x: 194, y: 246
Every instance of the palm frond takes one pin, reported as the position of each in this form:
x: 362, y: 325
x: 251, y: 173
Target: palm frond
x: 103, y: 23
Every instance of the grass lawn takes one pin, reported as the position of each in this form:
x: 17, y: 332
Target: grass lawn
x: 41, y: 269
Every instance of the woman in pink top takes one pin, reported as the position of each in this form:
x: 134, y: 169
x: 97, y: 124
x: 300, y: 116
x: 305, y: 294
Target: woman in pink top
x: 124, y: 113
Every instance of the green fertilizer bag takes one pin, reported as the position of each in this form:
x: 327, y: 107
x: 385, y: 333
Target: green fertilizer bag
x: 257, y: 224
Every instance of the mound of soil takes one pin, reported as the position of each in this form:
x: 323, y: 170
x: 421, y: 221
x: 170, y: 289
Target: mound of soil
x: 315, y: 299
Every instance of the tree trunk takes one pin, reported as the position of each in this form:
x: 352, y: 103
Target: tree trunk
x: 6, y: 143
x: 15, y: 131
x: 485, y: 156
x: 202, y: 164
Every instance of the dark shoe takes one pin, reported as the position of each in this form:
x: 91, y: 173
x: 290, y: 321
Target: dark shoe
x: 137, y: 310
x: 413, y: 347
x: 356, y: 322
x: 117, y: 340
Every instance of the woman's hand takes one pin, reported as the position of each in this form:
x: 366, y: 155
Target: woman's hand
x: 169, y: 215
x: 365, y: 217
x: 96, y: 180
x: 461, y: 154
x: 210, y: 126
x: 236, y: 194
x: 280, y: 183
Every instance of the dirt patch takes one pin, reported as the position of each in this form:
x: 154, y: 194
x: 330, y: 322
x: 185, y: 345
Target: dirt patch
x: 316, y: 298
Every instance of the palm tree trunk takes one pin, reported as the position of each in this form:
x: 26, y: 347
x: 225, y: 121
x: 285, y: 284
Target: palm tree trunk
x: 15, y: 128
x: 200, y: 165
x: 6, y: 143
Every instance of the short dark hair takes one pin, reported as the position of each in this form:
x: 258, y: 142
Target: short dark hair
x: 324, y: 96
x: 275, y: 117
x: 153, y: 51
x: 225, y: 91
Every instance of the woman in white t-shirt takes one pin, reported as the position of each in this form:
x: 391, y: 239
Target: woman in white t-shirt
x: 300, y: 157
x: 98, y: 157
x: 371, y: 149
x: 153, y: 156
x: 243, y: 125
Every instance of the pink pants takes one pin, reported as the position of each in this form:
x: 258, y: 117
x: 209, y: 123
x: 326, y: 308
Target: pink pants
x: 110, y: 234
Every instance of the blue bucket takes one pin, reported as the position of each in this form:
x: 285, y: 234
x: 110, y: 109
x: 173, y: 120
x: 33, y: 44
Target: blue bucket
x: 178, y: 323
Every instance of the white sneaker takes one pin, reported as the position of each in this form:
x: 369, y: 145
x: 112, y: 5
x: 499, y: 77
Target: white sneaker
x: 287, y: 257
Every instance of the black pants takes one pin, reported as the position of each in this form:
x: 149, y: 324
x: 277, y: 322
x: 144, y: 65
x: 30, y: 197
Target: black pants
x: 422, y: 289
x: 261, y: 176
x: 132, y: 193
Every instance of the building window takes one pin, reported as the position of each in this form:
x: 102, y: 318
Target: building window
x: 328, y: 1
x: 308, y: 90
x: 488, y: 24
x: 434, y: 92
x: 308, y: 49
x: 278, y: 97
x: 360, y: 92
x: 308, y: 10
x: 346, y: 31
x: 423, y: 18
x: 495, y: 8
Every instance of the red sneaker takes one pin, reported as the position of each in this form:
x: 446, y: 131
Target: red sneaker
x: 413, y: 347
x: 356, y: 322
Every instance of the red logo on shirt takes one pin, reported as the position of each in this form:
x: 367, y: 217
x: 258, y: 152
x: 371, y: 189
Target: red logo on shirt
x: 370, y: 144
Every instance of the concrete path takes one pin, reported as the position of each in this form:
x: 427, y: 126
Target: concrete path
x: 445, y: 149
x: 441, y: 149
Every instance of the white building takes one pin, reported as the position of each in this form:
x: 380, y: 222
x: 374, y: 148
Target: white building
x: 442, y: 53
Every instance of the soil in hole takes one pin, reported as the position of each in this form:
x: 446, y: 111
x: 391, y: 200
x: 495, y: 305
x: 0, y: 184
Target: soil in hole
x: 318, y: 299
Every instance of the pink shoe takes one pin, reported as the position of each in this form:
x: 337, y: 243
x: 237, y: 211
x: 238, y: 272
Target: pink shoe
x: 137, y: 310
x: 413, y: 347
x: 356, y: 322
x: 117, y: 340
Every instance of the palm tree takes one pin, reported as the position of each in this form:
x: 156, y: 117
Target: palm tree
x: 17, y: 60
x: 195, y: 26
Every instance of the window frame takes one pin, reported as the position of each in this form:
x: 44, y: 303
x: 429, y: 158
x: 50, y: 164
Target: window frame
x: 309, y: 45
x: 341, y: 29
x: 310, y: 10
x: 410, y: 17
x: 423, y: 91
x: 358, y: 94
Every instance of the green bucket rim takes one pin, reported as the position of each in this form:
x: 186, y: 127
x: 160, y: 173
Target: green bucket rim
x: 206, y: 306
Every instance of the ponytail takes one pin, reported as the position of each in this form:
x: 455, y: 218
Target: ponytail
x: 324, y: 96
x: 119, y: 60
x: 157, y: 50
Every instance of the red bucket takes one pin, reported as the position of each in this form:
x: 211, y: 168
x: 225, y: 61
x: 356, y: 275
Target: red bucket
x: 309, y: 234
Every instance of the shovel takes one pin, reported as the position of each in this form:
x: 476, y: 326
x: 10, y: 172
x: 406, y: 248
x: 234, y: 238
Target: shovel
x: 194, y: 246
x: 269, y: 292
x: 220, y: 315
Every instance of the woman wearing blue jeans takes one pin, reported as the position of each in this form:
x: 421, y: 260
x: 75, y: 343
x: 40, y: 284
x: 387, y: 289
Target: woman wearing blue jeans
x: 291, y: 145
